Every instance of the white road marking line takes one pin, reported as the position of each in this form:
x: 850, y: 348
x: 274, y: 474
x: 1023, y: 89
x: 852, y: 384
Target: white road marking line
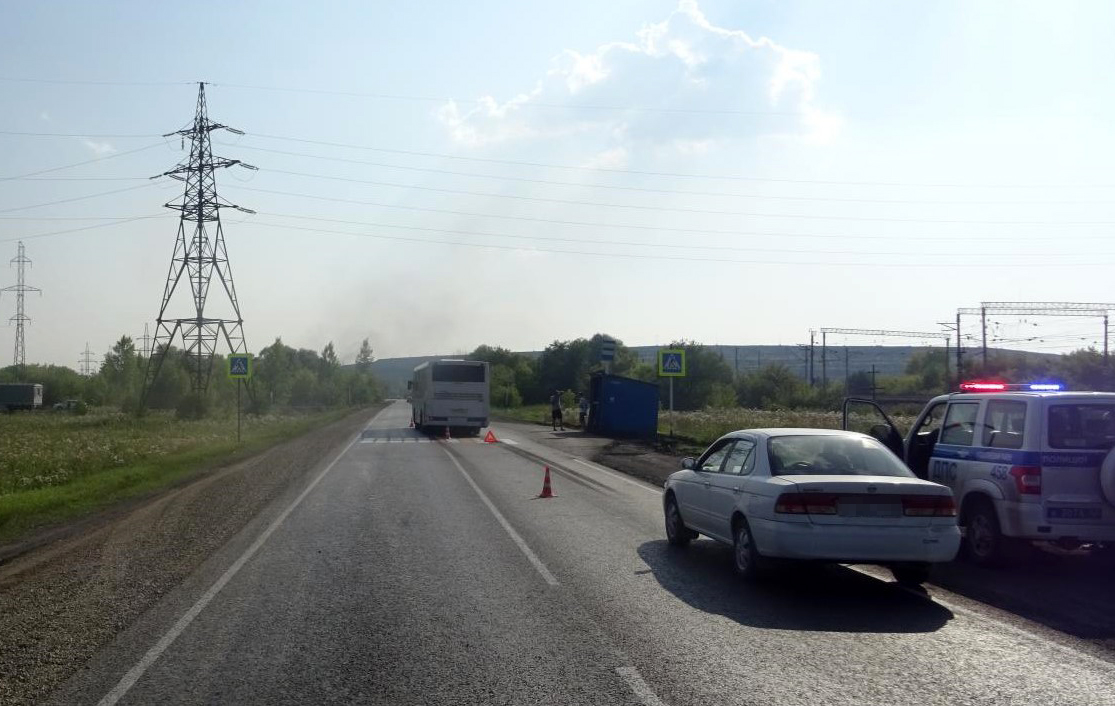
x: 618, y: 476
x: 135, y: 673
x: 530, y: 555
x: 509, y: 441
x: 639, y: 686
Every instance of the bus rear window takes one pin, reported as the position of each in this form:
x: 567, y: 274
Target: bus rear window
x: 1082, y: 426
x: 458, y: 373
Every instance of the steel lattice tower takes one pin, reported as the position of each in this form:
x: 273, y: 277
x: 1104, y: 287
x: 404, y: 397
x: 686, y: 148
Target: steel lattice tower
x: 20, y: 288
x: 199, y: 257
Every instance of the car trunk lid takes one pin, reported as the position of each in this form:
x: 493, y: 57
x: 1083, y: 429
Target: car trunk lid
x: 868, y: 500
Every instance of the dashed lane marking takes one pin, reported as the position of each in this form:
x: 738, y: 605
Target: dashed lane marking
x: 639, y: 685
x: 519, y: 541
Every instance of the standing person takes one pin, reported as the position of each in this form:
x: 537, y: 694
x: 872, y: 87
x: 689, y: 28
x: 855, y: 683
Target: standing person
x: 584, y: 411
x: 555, y: 411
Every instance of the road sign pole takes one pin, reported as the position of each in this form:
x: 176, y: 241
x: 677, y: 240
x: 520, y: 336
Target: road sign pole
x: 671, y: 408
x: 238, y: 385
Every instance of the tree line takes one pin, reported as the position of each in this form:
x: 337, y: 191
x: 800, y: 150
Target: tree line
x: 283, y: 377
x: 518, y: 379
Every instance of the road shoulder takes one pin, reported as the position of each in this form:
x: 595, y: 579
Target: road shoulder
x: 61, y: 603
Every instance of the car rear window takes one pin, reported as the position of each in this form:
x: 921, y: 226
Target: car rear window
x: 832, y: 455
x: 1081, y: 426
x: 458, y: 373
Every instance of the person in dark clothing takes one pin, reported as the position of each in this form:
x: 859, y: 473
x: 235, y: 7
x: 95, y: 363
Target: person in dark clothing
x: 555, y: 411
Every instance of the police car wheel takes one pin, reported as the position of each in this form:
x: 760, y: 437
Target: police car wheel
x: 984, y: 541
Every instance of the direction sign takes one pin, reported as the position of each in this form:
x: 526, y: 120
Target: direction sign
x: 671, y: 363
x: 240, y: 366
x: 607, y: 350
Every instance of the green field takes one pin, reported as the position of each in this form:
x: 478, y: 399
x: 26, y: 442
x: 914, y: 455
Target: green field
x: 56, y: 466
x: 706, y: 426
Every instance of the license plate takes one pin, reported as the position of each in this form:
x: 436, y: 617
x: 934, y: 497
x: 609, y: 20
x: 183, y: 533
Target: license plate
x: 1074, y: 513
x: 871, y: 509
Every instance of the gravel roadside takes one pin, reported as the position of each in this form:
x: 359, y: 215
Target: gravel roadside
x: 62, y: 602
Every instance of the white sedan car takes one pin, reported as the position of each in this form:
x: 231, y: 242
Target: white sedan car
x: 812, y: 494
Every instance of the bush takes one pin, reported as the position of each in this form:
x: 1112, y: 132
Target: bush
x: 81, y: 409
x: 192, y: 406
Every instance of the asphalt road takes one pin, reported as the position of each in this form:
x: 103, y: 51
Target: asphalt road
x: 415, y: 571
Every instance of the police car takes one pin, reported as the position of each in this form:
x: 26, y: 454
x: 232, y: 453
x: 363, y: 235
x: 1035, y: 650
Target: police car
x: 1025, y: 462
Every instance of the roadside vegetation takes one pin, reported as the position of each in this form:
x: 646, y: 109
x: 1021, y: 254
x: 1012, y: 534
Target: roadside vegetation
x: 54, y: 467
x: 60, y: 464
x: 712, y: 399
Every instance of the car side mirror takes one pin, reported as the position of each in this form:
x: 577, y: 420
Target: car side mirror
x: 688, y: 463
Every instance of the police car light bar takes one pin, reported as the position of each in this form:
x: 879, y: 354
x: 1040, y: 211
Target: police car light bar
x: 1004, y: 387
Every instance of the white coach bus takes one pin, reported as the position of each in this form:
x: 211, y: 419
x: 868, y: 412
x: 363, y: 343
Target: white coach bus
x: 450, y: 393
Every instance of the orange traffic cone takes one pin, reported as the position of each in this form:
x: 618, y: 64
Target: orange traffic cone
x: 547, y: 491
x: 490, y: 438
x: 447, y: 437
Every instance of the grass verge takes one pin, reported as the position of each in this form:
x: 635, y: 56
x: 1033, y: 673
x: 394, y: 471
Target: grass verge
x: 62, y: 496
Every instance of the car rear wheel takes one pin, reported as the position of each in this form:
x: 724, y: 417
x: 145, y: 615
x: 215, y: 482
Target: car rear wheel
x: 677, y: 534
x: 911, y: 575
x: 748, y: 562
x: 984, y: 542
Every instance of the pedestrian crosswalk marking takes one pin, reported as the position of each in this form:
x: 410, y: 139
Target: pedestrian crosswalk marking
x: 421, y: 440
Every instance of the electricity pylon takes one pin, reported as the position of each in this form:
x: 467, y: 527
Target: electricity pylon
x: 20, y: 288
x: 199, y: 258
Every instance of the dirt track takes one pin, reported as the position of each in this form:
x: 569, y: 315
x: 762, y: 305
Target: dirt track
x: 61, y: 602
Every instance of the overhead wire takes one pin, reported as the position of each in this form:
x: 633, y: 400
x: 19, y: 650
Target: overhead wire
x: 640, y: 256
x: 615, y: 187
x: 114, y: 155
x: 598, y: 224
x: 630, y: 243
x: 683, y: 175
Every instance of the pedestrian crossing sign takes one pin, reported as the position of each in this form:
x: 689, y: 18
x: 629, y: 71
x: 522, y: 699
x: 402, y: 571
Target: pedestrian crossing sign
x: 671, y: 363
x: 240, y: 366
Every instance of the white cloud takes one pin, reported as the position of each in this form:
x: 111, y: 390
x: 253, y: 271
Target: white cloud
x: 688, y: 81
x: 45, y: 117
x: 614, y: 158
x: 98, y: 148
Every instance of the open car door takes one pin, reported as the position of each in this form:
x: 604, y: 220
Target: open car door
x: 869, y: 418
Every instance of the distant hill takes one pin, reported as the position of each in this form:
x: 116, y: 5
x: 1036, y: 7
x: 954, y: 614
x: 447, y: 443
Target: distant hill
x: 842, y: 360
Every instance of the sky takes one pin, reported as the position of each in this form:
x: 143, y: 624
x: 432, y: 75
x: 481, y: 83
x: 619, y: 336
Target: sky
x: 433, y: 176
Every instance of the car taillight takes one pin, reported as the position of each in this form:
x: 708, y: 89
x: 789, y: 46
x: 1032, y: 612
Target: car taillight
x: 806, y: 503
x: 1027, y: 479
x: 928, y: 506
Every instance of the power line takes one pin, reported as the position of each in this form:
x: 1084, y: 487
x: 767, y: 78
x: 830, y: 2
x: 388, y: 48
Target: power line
x: 683, y: 175
x: 530, y: 104
x: 636, y: 256
x: 69, y: 82
x: 80, y: 164
x: 679, y: 192
x: 18, y: 133
x: 77, y: 198
x: 114, y: 222
x: 606, y: 225
x: 630, y: 243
